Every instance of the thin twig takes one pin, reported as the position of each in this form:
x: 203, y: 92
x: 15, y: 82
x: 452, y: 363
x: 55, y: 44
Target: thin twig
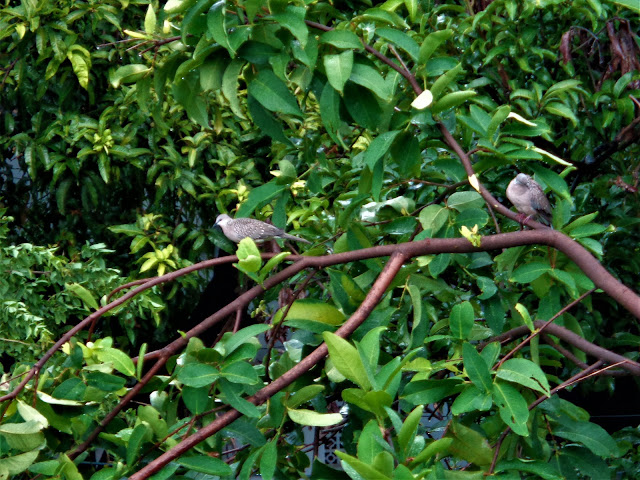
x: 582, y: 375
x: 538, y: 331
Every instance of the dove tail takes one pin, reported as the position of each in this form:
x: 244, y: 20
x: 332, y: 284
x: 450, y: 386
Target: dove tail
x: 297, y: 239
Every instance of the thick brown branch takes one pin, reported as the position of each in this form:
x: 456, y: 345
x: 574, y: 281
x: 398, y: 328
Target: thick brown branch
x: 544, y: 236
x: 372, y: 299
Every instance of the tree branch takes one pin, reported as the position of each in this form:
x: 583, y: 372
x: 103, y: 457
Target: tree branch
x: 366, y: 307
x: 575, y: 340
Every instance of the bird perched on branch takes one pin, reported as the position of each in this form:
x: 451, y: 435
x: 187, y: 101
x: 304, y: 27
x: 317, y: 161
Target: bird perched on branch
x: 239, y: 228
x: 529, y: 198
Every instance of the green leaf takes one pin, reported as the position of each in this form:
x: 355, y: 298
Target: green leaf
x: 230, y: 86
x: 545, y: 470
x: 191, y: 21
x: 47, y: 468
x: 205, y: 464
x: 558, y: 89
x: 384, y: 464
x: 23, y: 436
x: 433, y: 448
x: 338, y: 68
x: 105, y: 381
x: 439, y: 264
x: 592, y: 436
x: 375, y: 401
x: 588, y: 230
x: 461, y: 320
x: 347, y: 360
x: 526, y: 373
x: 232, y: 393
x: 580, y: 221
x: 81, y: 62
x: 273, y: 263
x: 412, y: 8
x: 401, y: 40
x: 345, y: 291
x: 269, y: 459
x: 150, y: 20
x: 409, y: 428
x: 216, y: 25
x: 15, y: 464
x: 31, y: 415
x: 469, y: 444
x: 198, y: 374
x: 303, y: 395
x: 371, y: 79
x: 622, y: 83
x: 128, y: 74
x: 363, y: 106
x: 444, y: 81
x: 422, y: 392
x: 140, y: 434
x: 498, y: 117
x: 379, y: 147
x: 266, y: 122
x: 529, y: 272
x: 315, y: 311
x: 452, y: 100
x: 476, y: 368
x: 370, y: 442
x: 240, y: 372
x: 330, y: 112
x: 465, y: 200
x: 524, y: 313
x: 248, y: 255
x: 365, y: 471
x: 313, y: 419
x: 293, y: 20
x: 197, y: 400
x: 560, y: 109
x: 83, y: 294
x: 341, y: 39
x: 120, y: 360
x: 273, y: 94
x: 512, y: 407
x: 567, y: 279
x: 369, y: 348
x: 232, y: 341
x: 432, y: 42
x: 433, y: 219
x: 554, y: 181
x: 258, y: 197
x: 630, y: 4
x: 470, y: 399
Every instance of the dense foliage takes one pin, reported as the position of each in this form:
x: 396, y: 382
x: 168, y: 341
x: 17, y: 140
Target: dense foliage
x: 129, y: 126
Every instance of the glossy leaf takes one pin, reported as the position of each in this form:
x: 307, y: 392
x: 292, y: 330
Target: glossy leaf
x: 461, y: 320
x: 273, y: 94
x: 338, y: 68
x: 347, y: 360
x: 524, y: 372
x: 476, y: 368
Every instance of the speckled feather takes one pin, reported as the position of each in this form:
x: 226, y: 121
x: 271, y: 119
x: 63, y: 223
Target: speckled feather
x: 239, y: 228
x: 529, y: 198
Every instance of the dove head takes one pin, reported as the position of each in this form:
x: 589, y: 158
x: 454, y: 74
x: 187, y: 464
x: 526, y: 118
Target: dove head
x: 523, y: 178
x: 222, y: 220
